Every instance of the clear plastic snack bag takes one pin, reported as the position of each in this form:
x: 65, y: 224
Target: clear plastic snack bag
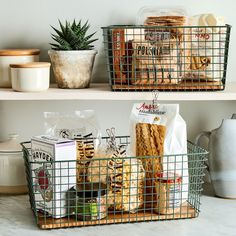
x: 207, y: 45
x: 81, y: 126
x: 123, y: 175
x: 158, y: 56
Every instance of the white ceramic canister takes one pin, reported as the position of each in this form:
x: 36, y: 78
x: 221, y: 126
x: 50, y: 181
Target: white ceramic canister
x: 13, y: 56
x: 12, y: 170
x: 30, y: 77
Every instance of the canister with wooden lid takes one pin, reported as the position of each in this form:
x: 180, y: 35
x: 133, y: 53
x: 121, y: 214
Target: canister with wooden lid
x: 14, y: 56
x: 30, y: 77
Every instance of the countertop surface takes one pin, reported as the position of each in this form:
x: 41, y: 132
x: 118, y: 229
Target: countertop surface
x: 217, y: 217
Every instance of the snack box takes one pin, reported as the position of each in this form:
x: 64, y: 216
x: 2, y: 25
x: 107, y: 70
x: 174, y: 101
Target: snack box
x: 54, y: 173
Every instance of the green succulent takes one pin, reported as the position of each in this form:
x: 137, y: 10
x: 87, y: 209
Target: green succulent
x: 72, y: 36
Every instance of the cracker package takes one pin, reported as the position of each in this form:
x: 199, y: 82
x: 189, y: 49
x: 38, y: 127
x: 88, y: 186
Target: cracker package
x: 207, y: 44
x: 158, y: 58
x: 122, y: 51
x: 124, y: 177
x: 81, y: 126
x: 155, y: 63
x: 158, y: 130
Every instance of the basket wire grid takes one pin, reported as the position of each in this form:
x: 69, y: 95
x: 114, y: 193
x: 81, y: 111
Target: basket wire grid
x: 170, y: 58
x: 132, y: 193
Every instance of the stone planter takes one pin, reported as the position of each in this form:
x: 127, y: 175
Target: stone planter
x: 72, y: 69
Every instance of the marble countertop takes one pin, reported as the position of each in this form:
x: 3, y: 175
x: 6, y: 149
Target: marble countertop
x: 217, y: 217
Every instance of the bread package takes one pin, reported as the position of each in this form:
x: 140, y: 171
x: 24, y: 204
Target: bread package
x: 150, y: 142
x: 159, y: 139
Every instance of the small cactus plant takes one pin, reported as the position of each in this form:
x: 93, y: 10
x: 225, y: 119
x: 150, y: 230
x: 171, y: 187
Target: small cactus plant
x: 72, y: 36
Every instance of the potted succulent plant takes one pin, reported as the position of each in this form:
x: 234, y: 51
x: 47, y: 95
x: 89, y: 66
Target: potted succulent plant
x: 72, y: 55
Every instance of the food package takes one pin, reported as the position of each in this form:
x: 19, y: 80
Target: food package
x: 122, y: 51
x: 158, y: 58
x: 168, y: 189
x: 53, y: 163
x: 148, y: 12
x: 124, y: 176
x: 208, y: 43
x: 81, y: 126
x: 159, y: 131
x: 155, y: 63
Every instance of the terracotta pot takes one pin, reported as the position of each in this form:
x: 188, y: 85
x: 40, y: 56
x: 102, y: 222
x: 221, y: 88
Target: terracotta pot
x: 72, y: 69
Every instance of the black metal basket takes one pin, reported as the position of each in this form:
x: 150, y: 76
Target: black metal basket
x: 120, y: 190
x: 166, y: 58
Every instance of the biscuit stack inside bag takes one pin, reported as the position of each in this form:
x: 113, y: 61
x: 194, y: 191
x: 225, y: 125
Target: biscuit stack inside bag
x: 158, y: 136
x: 124, y: 176
x: 157, y: 58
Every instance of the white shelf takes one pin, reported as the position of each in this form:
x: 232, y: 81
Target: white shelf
x: 103, y: 92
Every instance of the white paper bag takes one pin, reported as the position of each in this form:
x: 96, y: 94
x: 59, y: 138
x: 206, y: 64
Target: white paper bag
x: 175, y: 144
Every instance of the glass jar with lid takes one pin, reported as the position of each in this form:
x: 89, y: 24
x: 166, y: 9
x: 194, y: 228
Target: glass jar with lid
x: 89, y: 201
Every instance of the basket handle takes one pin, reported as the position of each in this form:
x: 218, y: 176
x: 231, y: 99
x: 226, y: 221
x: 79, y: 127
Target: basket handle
x: 206, y: 134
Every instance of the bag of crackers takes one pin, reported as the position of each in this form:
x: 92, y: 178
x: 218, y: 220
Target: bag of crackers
x: 124, y: 176
x: 159, y: 138
x: 157, y: 57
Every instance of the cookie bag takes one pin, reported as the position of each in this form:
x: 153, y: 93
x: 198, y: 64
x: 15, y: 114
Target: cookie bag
x: 159, y: 130
x: 123, y: 175
x: 81, y: 126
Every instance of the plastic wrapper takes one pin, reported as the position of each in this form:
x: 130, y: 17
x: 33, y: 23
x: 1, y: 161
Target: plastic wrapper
x: 207, y: 44
x: 124, y: 176
x: 81, y: 126
x: 158, y: 58
x: 157, y: 11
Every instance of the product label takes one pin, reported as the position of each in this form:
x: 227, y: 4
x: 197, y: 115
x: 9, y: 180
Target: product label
x: 69, y: 133
x: 174, y: 195
x: 155, y: 35
x: 150, y: 108
x: 51, y: 178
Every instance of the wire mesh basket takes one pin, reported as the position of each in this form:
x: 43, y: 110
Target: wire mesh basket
x: 120, y: 190
x: 170, y: 58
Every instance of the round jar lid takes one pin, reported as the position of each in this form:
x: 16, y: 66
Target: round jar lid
x: 19, y: 52
x: 11, y: 145
x: 91, y: 190
x: 168, y: 177
x: 31, y: 65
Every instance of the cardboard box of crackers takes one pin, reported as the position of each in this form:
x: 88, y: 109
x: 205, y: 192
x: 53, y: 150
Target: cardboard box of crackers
x: 54, y: 172
x: 122, y: 52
